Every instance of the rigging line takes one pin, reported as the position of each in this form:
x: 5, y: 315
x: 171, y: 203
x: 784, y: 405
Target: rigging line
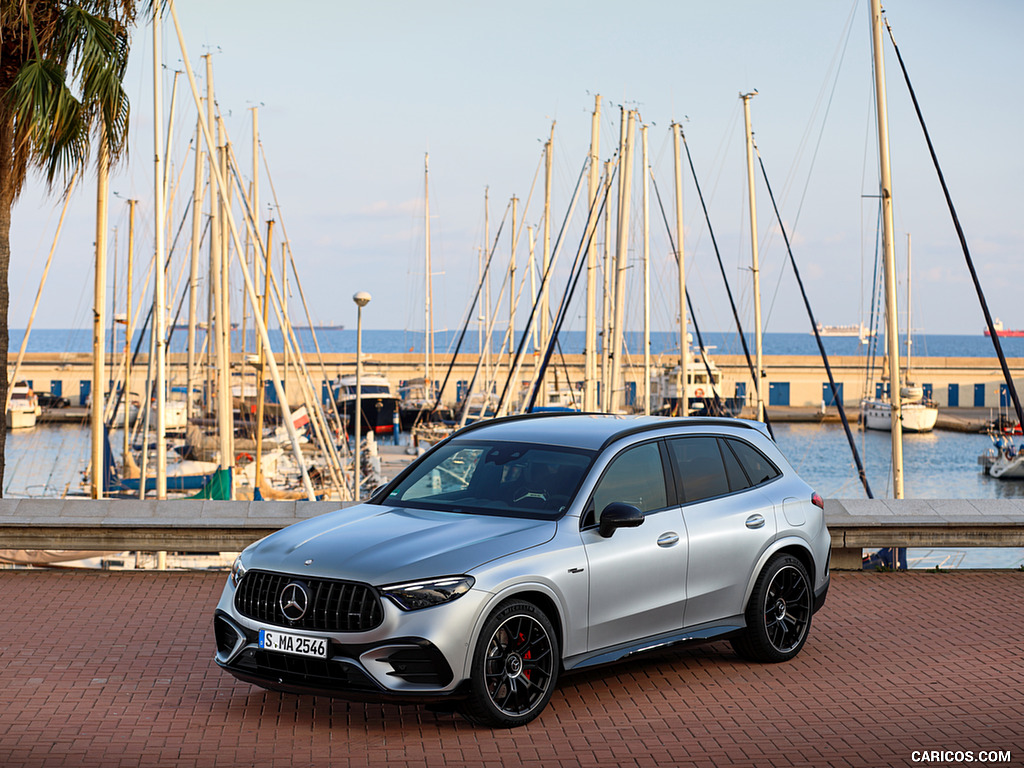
x: 728, y: 290
x: 545, y: 282
x: 305, y: 306
x: 836, y: 396
x: 960, y: 234
x: 718, y: 407
x: 817, y: 147
x: 876, y: 305
x: 145, y: 324
x: 472, y: 308
x: 828, y: 109
x: 593, y: 220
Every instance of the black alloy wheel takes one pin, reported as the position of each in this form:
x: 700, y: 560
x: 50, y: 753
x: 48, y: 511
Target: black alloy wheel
x: 779, y: 612
x: 515, y: 666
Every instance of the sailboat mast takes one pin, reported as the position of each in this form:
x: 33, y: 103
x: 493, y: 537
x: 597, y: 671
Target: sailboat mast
x: 99, y: 310
x: 910, y: 327
x: 428, y: 312
x: 159, y: 299
x: 128, y: 329
x: 193, y: 273
x: 888, y: 253
x: 626, y: 184
x: 647, y: 277
x: 606, y: 298
x: 545, y: 256
x: 512, y: 281
x: 590, y: 345
x: 754, y: 266
x: 684, y: 344
x: 487, y: 297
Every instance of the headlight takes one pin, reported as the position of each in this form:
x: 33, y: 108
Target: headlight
x: 237, y: 571
x: 422, y: 594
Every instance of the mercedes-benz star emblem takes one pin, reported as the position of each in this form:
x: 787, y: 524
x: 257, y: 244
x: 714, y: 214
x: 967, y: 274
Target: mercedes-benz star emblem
x: 294, y: 600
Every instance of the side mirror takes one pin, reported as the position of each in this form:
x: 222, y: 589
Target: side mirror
x: 617, y: 515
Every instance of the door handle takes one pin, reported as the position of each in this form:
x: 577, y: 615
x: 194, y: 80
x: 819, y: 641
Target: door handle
x: 669, y: 539
x: 755, y: 521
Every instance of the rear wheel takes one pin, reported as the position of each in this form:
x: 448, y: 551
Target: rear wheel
x: 779, y: 612
x: 515, y: 666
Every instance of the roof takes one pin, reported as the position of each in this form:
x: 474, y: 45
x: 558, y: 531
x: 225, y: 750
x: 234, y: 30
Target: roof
x: 590, y: 431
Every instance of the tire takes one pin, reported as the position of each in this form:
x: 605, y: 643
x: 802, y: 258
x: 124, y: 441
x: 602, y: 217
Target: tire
x: 779, y: 612
x: 515, y: 667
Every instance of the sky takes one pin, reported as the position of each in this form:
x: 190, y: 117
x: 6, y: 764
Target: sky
x: 351, y: 97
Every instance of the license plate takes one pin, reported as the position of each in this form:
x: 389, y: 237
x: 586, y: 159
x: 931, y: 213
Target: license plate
x: 299, y: 645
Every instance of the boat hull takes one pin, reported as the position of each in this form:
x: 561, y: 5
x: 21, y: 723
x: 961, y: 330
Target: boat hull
x: 917, y: 417
x: 18, y: 418
x: 378, y: 414
x: 174, y: 482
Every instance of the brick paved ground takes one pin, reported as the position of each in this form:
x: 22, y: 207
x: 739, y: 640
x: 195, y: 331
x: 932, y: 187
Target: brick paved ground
x: 115, y: 669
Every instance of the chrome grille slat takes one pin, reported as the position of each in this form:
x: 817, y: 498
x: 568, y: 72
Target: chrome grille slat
x: 332, y: 603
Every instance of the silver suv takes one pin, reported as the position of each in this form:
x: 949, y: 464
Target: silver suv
x: 523, y: 548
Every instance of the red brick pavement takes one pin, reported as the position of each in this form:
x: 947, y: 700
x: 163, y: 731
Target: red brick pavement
x: 115, y: 669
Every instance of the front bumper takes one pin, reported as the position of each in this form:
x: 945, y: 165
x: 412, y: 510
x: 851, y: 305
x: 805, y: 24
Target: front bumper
x: 419, y: 670
x: 409, y: 656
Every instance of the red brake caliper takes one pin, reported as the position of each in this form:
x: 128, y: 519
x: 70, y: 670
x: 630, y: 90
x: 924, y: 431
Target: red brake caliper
x: 526, y: 656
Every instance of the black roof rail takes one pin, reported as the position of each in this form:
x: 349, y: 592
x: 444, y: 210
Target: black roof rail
x: 684, y: 421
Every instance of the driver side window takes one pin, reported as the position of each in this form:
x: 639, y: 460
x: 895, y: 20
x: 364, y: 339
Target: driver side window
x: 635, y: 477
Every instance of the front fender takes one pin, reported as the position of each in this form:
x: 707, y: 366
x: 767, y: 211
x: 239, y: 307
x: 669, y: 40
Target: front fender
x: 514, y: 590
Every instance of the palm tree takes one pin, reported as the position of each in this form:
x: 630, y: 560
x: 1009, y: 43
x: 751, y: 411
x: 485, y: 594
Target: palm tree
x: 61, y: 67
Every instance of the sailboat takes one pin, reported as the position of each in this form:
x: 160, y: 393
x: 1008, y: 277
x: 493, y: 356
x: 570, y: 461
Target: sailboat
x: 919, y: 413
x: 23, y: 408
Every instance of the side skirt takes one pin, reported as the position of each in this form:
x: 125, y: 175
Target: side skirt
x: 699, y: 634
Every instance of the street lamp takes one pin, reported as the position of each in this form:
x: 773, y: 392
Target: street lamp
x: 361, y: 298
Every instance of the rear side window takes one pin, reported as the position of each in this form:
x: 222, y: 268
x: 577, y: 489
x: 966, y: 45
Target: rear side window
x: 699, y: 467
x: 757, y: 466
x: 737, y: 477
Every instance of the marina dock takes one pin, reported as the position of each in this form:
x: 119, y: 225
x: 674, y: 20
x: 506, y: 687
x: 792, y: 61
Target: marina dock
x: 791, y: 381
x: 110, y: 669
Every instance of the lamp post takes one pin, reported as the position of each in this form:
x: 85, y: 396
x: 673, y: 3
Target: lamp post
x: 361, y: 298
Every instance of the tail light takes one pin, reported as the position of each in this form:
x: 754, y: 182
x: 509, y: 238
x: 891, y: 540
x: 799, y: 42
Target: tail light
x: 817, y: 501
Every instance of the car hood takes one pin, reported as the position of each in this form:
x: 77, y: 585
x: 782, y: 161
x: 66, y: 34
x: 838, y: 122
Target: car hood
x: 387, y: 545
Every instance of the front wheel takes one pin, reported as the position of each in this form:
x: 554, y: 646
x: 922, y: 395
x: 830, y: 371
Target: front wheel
x: 779, y: 612
x: 515, y: 666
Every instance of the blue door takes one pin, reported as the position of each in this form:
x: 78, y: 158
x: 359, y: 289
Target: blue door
x: 979, y: 395
x: 630, y: 394
x: 741, y: 390
x: 84, y: 388
x: 325, y: 393
x: 953, y: 396
x: 56, y: 387
x: 778, y: 393
x: 1004, y: 396
x: 928, y: 391
x: 881, y: 389
x: 270, y: 393
x: 826, y: 393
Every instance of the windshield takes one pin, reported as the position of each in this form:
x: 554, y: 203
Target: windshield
x: 494, y: 478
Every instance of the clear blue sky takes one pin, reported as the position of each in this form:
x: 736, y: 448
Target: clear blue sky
x: 352, y: 95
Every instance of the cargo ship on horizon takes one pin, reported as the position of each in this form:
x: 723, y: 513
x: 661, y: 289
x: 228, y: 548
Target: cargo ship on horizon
x: 1001, y: 332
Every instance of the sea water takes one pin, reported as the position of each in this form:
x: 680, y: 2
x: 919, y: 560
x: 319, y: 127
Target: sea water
x: 50, y: 460
x: 332, y: 340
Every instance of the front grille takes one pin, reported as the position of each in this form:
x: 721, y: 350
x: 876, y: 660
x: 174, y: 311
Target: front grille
x: 334, y: 606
